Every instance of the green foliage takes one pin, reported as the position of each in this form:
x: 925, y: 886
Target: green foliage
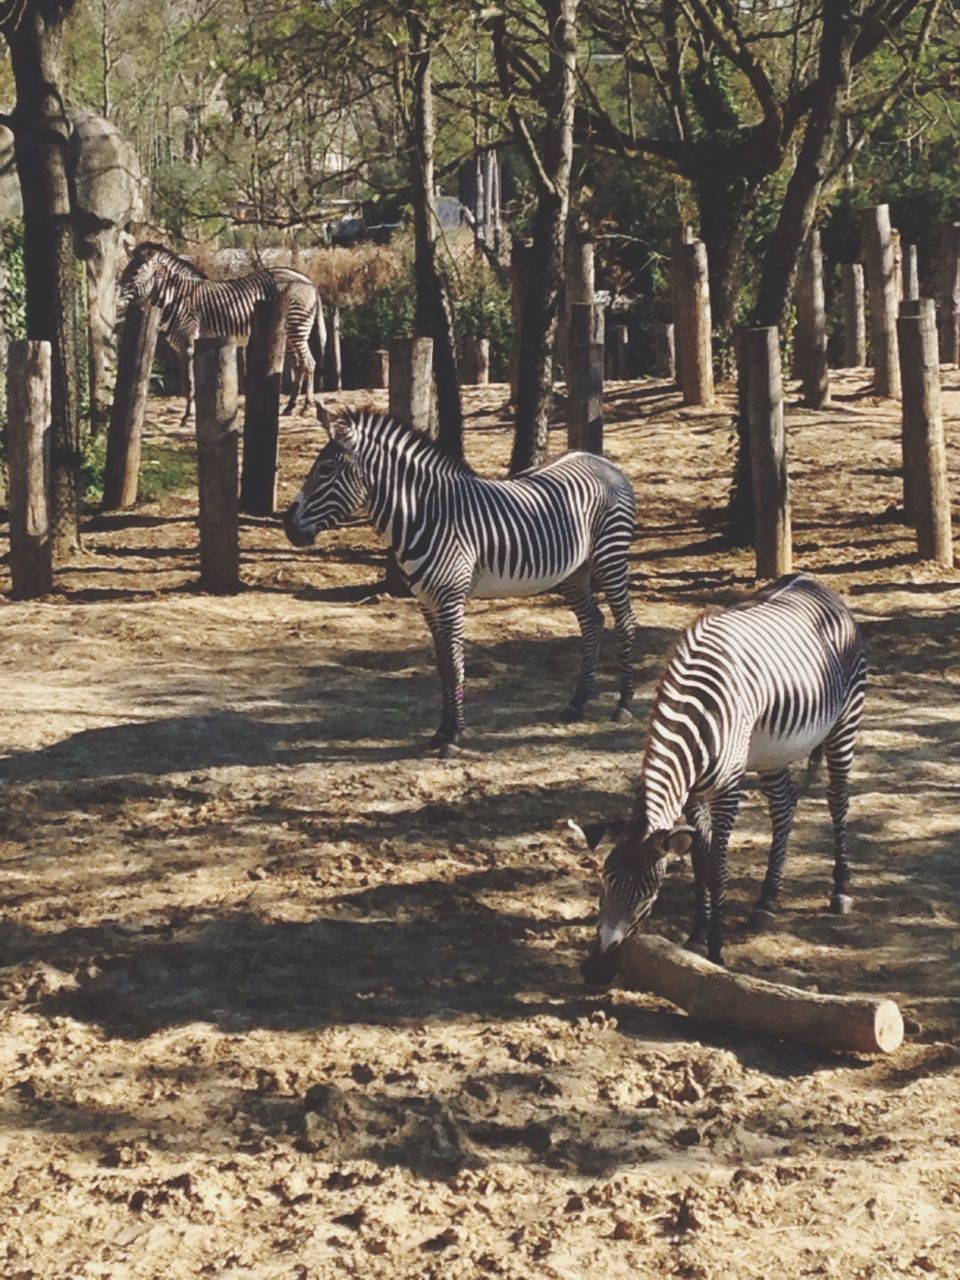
x: 371, y: 324
x: 483, y: 310
x: 164, y: 468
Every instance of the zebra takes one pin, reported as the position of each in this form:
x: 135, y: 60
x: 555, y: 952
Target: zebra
x: 456, y: 535
x: 191, y: 306
x: 757, y: 686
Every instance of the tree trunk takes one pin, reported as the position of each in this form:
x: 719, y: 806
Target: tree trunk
x: 433, y: 316
x: 552, y: 165
x: 40, y: 133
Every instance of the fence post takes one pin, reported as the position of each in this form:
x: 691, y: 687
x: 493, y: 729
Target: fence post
x: 410, y: 400
x: 881, y: 283
x: 854, y: 319
x: 665, y: 351
x: 682, y: 236
x: 768, y: 452
x: 950, y: 293
x: 477, y: 361
x: 911, y: 274
x: 585, y: 378
x: 28, y: 441
x: 333, y: 381
x: 215, y: 361
x: 696, y: 364
x: 579, y: 277
x: 810, y: 338
x: 138, y: 343
x: 925, y: 490
x: 897, y: 246
x: 261, y: 411
x: 379, y: 369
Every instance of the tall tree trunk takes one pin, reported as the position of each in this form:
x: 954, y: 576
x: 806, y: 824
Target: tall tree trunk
x: 40, y: 132
x: 722, y: 227
x: 433, y: 317
x: 552, y: 166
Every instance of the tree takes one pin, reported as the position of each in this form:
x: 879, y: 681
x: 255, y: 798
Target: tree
x: 33, y: 31
x: 549, y: 152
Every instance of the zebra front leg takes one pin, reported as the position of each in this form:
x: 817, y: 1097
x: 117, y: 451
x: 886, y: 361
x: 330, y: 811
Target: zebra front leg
x: 697, y: 813
x: 189, y: 382
x: 781, y: 797
x: 839, y: 754
x: 579, y: 596
x: 446, y: 627
x: 723, y: 814
x: 290, y: 362
x: 615, y: 589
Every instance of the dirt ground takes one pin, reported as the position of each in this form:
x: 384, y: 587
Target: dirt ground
x: 282, y: 997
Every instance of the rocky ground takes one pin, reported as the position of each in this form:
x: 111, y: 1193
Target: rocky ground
x: 282, y: 997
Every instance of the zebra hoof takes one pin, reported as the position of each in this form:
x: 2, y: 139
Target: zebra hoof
x: 841, y: 904
x: 697, y: 946
x: 622, y: 715
x: 761, y: 920
x: 571, y: 714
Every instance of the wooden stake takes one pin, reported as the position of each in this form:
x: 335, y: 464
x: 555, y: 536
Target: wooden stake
x: 585, y: 378
x: 665, y: 352
x: 810, y: 338
x: 854, y: 318
x: 696, y: 366
x: 881, y: 281
x: 332, y: 354
x: 261, y: 416
x: 925, y: 488
x: 477, y: 362
x: 379, y: 368
x: 768, y: 452
x: 28, y: 442
x: 911, y: 275
x: 215, y: 361
x: 682, y: 236
x: 735, y: 1001
x: 579, y: 277
x: 138, y: 344
x: 620, y: 344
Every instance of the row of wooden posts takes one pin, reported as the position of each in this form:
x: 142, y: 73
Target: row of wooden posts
x: 905, y: 347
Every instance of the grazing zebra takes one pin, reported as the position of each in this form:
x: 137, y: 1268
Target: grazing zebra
x: 193, y: 306
x: 456, y: 535
x: 758, y: 686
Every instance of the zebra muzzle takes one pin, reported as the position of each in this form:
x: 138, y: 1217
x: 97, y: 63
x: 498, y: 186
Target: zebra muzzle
x: 295, y: 532
x: 600, y: 967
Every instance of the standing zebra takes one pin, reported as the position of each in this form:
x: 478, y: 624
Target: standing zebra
x: 758, y: 686
x: 193, y: 306
x: 456, y: 535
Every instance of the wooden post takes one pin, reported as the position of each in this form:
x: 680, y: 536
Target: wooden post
x: 881, y: 283
x: 411, y: 400
x: 261, y: 415
x: 810, y: 337
x: 579, y: 277
x: 665, y: 352
x: 477, y: 361
x: 682, y: 236
x: 696, y: 365
x: 28, y: 442
x: 138, y: 343
x: 215, y: 362
x: 332, y: 355
x: 911, y: 275
x: 720, y: 997
x: 768, y: 452
x: 620, y: 347
x: 925, y: 488
x: 411, y: 382
x: 854, y: 319
x: 950, y: 294
x: 379, y: 369
x: 585, y: 378
x: 519, y: 274
x: 897, y: 246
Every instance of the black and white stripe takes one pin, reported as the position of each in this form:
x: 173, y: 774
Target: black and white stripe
x: 191, y: 306
x: 756, y: 687
x: 560, y: 527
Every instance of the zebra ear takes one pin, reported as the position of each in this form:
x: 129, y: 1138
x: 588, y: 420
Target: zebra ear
x: 594, y: 834
x: 344, y: 432
x: 678, y: 841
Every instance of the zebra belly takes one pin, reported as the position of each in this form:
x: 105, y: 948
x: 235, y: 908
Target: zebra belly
x: 490, y: 585
x: 768, y: 751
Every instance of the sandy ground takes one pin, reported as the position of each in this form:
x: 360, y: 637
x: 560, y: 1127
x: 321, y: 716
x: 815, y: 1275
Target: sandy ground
x: 280, y: 997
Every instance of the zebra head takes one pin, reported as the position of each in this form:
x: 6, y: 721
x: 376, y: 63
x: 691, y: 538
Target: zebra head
x: 333, y: 491
x: 632, y: 874
x: 138, y: 276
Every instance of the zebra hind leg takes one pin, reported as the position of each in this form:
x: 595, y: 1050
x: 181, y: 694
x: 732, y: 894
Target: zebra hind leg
x: 781, y: 797
x: 839, y: 754
x: 697, y: 813
x: 578, y: 594
x: 446, y: 627
x: 614, y: 586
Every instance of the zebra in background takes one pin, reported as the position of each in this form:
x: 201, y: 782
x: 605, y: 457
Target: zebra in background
x: 192, y: 306
x: 756, y: 687
x: 456, y: 535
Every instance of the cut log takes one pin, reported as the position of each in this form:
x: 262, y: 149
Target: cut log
x: 711, y: 994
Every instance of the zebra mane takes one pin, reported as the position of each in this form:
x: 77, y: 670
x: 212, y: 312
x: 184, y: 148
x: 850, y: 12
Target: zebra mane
x: 391, y: 432
x: 168, y: 257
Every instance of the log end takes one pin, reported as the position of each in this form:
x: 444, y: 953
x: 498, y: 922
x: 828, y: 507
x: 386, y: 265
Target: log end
x: 887, y: 1027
